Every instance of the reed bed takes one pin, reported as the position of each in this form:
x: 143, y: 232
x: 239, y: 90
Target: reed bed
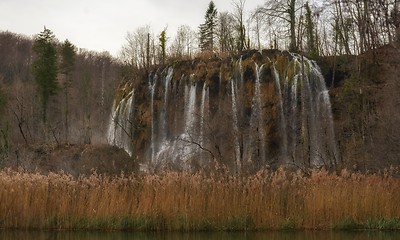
x: 186, y: 202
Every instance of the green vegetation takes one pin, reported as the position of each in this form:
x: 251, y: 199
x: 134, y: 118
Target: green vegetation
x: 208, y: 28
x: 163, y: 44
x: 68, y: 53
x: 44, y: 67
x: 370, y: 224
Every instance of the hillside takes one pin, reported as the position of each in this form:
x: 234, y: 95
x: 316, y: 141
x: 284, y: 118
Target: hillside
x: 366, y: 107
x: 169, y: 101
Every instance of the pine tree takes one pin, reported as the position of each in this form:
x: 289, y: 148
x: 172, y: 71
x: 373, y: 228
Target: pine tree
x: 44, y: 68
x: 311, y: 46
x: 207, y: 29
x: 68, y: 53
x: 163, y: 44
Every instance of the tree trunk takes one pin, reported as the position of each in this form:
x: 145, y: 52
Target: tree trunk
x: 66, y: 115
x: 148, y: 51
x: 292, y: 13
x: 397, y: 21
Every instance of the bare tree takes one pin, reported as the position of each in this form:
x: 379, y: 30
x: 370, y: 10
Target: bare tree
x: 226, y: 31
x: 283, y: 11
x: 256, y: 18
x: 184, y: 42
x: 135, y: 52
x: 238, y: 14
x: 396, y: 19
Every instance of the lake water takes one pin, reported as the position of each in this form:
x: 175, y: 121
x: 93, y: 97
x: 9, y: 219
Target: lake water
x: 307, y: 235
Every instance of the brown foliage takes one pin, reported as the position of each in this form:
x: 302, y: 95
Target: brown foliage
x: 183, y: 201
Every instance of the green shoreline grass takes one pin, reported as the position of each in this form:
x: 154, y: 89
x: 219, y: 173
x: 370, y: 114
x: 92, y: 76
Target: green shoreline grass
x: 173, y: 201
x: 158, y: 224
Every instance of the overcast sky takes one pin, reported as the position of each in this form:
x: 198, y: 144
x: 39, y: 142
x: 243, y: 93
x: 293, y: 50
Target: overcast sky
x: 101, y: 25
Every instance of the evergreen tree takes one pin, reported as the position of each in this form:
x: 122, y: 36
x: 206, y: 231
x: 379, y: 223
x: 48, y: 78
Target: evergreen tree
x: 163, y: 44
x: 68, y: 53
x: 44, y: 68
x: 207, y: 29
x: 311, y: 46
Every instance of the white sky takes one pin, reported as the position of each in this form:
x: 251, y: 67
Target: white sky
x: 101, y: 25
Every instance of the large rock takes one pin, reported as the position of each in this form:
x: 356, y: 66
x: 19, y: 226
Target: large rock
x: 73, y: 159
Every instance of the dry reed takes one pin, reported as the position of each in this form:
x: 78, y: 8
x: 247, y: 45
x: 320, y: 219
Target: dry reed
x: 184, y: 201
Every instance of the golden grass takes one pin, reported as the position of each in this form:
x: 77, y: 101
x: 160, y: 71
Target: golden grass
x: 184, y: 201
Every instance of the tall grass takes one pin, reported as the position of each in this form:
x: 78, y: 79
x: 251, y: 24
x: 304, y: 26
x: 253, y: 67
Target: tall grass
x: 184, y: 201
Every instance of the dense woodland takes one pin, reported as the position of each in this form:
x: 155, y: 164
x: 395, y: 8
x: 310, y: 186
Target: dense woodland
x: 74, y: 105
x: 317, y: 28
x: 89, y: 93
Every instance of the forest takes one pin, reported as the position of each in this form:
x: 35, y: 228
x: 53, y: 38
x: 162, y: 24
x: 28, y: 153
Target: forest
x: 284, y: 117
x: 317, y: 28
x: 74, y: 104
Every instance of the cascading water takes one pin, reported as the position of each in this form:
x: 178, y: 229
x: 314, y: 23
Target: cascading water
x: 190, y: 137
x: 245, y: 117
x: 256, y: 144
x: 235, y: 127
x: 204, y: 118
x: 120, y: 129
x: 281, y: 112
x: 152, y: 87
x: 164, y: 112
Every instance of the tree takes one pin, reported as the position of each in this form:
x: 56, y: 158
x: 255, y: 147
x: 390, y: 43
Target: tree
x: 226, y: 32
x: 4, y: 143
x: 282, y: 10
x: 396, y: 20
x: 256, y: 18
x: 136, y: 51
x: 311, y: 46
x: 44, y: 68
x: 163, y: 45
x: 183, y: 43
x: 207, y: 29
x: 240, y: 28
x: 68, y: 53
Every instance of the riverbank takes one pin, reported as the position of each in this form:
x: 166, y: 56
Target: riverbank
x: 186, y: 202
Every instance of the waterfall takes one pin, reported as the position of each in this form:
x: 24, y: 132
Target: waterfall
x: 317, y: 133
x: 326, y: 120
x: 275, y: 110
x: 204, y: 115
x: 120, y: 129
x: 256, y: 133
x: 260, y: 115
x: 284, y: 148
x: 189, y: 136
x: 236, y: 128
x: 152, y: 86
x: 164, y: 109
x: 190, y: 113
x: 293, y: 115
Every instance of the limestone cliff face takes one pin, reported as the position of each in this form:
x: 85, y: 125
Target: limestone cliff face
x: 260, y: 109
x: 366, y: 107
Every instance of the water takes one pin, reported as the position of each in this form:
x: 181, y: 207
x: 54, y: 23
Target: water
x: 120, y: 128
x: 164, y: 112
x: 236, y: 128
x: 273, y: 112
x: 204, y: 114
x: 306, y: 235
x: 281, y: 113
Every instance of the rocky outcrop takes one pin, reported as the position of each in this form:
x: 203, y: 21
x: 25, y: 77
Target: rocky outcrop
x: 76, y: 160
x: 366, y: 107
x: 261, y: 109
